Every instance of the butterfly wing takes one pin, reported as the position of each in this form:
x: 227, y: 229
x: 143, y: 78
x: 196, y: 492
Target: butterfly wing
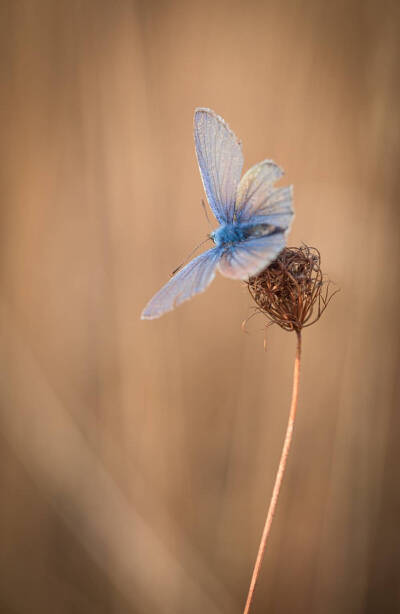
x: 259, y: 202
x: 247, y: 258
x: 220, y: 159
x: 192, y: 279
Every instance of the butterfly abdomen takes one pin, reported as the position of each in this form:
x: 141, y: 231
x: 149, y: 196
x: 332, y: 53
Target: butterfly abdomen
x: 228, y: 234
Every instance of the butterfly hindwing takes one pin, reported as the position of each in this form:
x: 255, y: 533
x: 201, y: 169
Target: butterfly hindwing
x: 257, y: 198
x: 247, y: 258
x: 278, y: 210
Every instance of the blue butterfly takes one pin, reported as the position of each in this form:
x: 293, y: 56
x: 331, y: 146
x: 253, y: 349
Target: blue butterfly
x: 254, y: 216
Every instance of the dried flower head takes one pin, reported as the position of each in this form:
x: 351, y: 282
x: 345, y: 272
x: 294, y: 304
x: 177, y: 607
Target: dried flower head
x: 292, y: 291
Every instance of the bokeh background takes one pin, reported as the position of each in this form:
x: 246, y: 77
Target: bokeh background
x: 137, y: 458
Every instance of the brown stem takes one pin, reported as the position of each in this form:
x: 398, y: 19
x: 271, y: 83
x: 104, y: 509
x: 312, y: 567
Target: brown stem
x: 279, y: 475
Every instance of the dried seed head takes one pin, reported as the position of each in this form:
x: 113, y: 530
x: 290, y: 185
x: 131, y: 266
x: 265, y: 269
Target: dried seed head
x: 292, y: 290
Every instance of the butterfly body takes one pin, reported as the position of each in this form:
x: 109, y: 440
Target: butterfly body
x: 228, y: 234
x: 254, y: 217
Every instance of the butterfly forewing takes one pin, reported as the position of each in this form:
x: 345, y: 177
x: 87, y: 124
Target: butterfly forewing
x: 192, y: 279
x: 220, y: 159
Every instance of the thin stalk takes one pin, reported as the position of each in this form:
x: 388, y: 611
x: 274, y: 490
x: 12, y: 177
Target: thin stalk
x: 279, y: 475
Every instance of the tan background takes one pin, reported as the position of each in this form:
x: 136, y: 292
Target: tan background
x: 137, y: 458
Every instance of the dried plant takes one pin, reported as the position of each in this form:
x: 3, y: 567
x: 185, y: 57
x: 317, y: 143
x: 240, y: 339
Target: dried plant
x: 293, y: 293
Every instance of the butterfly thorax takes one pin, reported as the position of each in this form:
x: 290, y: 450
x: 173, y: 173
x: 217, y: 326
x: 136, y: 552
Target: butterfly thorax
x: 227, y: 234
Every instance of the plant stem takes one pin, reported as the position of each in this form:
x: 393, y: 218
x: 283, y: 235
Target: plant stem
x: 279, y: 475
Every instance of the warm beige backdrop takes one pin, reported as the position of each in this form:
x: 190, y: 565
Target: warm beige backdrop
x: 137, y: 458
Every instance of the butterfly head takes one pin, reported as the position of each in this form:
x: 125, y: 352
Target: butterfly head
x: 228, y: 234
x: 231, y: 234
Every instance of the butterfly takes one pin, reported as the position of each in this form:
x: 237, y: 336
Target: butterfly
x: 254, y: 216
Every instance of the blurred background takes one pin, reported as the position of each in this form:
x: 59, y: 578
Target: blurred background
x: 137, y: 458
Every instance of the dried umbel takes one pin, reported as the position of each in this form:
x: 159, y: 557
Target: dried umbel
x: 292, y: 292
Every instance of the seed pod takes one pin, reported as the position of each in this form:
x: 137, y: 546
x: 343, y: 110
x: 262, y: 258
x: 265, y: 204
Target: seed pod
x: 292, y: 291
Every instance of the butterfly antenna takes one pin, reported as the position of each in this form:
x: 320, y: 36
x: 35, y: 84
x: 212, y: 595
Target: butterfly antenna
x: 203, y: 204
x: 189, y: 256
